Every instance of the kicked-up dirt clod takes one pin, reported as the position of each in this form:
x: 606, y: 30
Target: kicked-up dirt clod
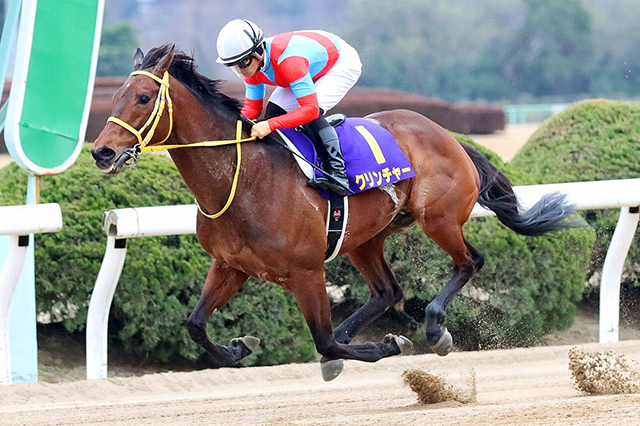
x: 601, y: 373
x: 432, y: 389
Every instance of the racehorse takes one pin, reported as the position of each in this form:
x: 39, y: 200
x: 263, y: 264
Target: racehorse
x: 274, y: 229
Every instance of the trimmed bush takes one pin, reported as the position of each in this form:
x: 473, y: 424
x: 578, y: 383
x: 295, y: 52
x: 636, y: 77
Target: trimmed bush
x: 589, y: 141
x: 527, y: 288
x: 161, y: 281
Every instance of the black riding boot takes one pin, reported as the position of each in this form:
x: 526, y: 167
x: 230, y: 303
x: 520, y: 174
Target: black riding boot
x: 327, y: 134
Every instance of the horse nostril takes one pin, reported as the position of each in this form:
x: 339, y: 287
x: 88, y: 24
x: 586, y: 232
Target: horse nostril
x: 103, y: 153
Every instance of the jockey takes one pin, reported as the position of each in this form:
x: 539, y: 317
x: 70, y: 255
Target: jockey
x: 312, y: 70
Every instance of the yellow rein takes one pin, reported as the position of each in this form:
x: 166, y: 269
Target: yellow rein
x: 162, y: 100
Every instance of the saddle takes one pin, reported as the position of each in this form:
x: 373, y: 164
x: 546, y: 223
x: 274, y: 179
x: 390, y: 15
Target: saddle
x: 371, y: 154
x: 372, y: 158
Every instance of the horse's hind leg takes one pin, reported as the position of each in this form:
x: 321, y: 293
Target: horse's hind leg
x: 383, y: 287
x: 467, y: 260
x: 385, y: 292
x: 308, y: 287
x: 221, y: 285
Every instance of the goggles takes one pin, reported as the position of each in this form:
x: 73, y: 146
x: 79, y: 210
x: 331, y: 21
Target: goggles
x: 243, y: 63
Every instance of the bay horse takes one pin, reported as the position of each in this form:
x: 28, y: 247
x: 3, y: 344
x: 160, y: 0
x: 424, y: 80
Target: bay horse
x: 275, y: 227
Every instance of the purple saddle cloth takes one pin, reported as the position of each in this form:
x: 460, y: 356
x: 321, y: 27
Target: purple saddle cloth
x: 371, y: 154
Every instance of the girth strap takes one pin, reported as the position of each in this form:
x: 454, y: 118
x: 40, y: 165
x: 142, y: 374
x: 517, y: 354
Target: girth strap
x: 337, y: 217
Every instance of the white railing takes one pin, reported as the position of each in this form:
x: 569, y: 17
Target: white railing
x: 531, y: 113
x: 18, y: 222
x: 119, y: 225
x: 172, y: 220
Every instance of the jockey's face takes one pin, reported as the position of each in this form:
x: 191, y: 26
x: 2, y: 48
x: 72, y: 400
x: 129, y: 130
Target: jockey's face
x: 254, y: 63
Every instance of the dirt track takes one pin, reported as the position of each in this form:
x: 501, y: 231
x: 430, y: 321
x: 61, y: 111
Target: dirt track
x: 514, y: 387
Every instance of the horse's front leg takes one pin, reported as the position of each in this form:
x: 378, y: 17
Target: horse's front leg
x: 221, y: 285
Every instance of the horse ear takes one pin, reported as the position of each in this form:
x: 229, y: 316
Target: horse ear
x: 164, y: 62
x: 137, y: 59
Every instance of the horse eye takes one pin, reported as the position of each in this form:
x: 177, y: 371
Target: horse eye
x: 143, y: 99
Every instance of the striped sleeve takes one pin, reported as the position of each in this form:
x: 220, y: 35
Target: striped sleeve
x: 307, y: 111
x: 254, y: 100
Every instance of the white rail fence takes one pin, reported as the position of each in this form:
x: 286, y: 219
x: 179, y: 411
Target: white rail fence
x: 18, y: 222
x: 122, y: 224
x: 531, y: 113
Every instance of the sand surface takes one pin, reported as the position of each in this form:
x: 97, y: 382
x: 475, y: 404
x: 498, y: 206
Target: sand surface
x: 513, y: 387
x: 5, y: 159
x: 507, y: 142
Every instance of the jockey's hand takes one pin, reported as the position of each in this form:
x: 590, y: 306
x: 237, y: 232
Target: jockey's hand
x: 260, y: 130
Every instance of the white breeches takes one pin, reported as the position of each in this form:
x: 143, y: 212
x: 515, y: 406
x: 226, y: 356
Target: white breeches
x: 331, y: 87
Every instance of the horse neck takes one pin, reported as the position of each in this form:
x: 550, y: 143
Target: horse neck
x: 208, y: 172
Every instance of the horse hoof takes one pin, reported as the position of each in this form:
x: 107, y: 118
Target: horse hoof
x: 444, y: 345
x: 331, y: 369
x: 250, y: 342
x: 242, y: 347
x: 405, y: 345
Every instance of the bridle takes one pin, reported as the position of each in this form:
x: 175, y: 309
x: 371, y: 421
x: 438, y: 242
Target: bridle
x: 130, y: 155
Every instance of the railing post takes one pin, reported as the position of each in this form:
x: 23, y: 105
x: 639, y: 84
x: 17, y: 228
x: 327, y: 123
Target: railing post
x: 119, y: 225
x: 100, y: 305
x: 612, y: 274
x: 8, y: 283
x: 18, y: 222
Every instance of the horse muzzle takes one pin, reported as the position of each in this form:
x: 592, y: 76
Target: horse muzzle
x: 108, y: 162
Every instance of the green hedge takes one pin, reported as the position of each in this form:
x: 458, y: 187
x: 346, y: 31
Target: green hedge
x: 527, y: 288
x: 590, y: 140
x: 162, y: 277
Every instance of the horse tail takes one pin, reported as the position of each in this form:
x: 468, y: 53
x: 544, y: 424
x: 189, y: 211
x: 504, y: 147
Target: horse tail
x: 497, y: 195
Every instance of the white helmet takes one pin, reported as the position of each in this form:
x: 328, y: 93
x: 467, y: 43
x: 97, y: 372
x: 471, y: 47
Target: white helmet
x: 238, y: 39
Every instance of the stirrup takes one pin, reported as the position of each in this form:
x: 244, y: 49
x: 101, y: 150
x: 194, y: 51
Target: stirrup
x: 336, y: 119
x: 328, y: 184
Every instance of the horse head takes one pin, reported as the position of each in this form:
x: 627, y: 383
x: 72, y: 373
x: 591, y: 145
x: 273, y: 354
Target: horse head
x: 137, y: 117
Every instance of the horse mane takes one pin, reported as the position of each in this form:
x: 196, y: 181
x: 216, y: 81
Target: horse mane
x: 183, y: 68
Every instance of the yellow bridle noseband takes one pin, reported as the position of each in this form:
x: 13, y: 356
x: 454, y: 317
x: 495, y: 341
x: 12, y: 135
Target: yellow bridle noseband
x: 143, y: 143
